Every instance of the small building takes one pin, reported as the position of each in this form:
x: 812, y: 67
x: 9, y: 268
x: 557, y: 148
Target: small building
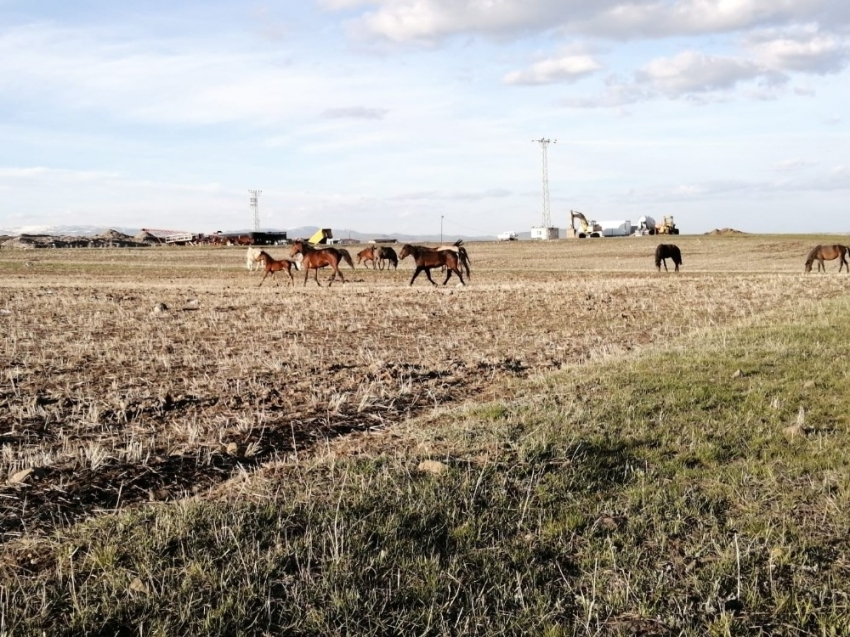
x: 507, y: 236
x: 544, y: 234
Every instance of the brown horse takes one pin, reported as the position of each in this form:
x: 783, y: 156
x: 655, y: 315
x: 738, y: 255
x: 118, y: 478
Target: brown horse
x: 315, y: 259
x: 389, y: 256
x: 463, y: 257
x: 367, y: 255
x: 427, y: 258
x: 828, y: 253
x: 274, y: 266
x: 666, y: 251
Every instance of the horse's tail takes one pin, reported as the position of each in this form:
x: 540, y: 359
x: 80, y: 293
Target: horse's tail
x: 347, y: 257
x: 464, y: 259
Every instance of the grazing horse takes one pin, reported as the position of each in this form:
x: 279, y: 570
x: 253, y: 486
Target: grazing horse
x: 274, y: 266
x: 367, y: 255
x: 666, y: 251
x: 828, y: 253
x: 427, y: 258
x: 314, y: 259
x: 388, y: 255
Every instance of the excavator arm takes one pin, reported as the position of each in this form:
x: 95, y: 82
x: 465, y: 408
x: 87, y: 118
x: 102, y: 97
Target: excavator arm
x: 585, y: 226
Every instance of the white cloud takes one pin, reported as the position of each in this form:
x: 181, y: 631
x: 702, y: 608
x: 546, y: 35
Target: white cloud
x: 430, y: 20
x: 184, y: 81
x: 694, y: 72
x: 355, y: 112
x: 637, y: 18
x: 567, y: 68
x: 804, y: 49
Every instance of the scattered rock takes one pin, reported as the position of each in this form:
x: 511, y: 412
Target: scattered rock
x: 4, y: 311
x: 794, y: 430
x: 138, y: 586
x: 159, y: 308
x: 21, y: 476
x: 432, y: 466
x: 192, y: 304
x: 232, y: 449
x: 808, y: 384
x: 608, y: 523
x: 738, y: 373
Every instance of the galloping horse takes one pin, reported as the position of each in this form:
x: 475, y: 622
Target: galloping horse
x: 252, y: 259
x: 427, y: 258
x: 666, y: 251
x: 315, y: 259
x: 388, y: 255
x: 828, y: 253
x: 367, y: 255
x: 273, y: 266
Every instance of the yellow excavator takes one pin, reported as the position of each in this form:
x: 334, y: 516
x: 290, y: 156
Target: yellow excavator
x: 586, y: 229
x: 667, y: 226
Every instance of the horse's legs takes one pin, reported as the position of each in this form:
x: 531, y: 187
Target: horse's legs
x: 316, y: 271
x: 264, y: 278
x: 339, y: 272
x: 460, y: 276
x: 448, y: 275
x: 677, y: 265
x: 291, y: 278
x: 428, y: 274
x: 416, y: 274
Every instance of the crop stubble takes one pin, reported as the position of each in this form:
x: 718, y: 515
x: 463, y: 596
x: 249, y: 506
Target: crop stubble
x: 112, y: 405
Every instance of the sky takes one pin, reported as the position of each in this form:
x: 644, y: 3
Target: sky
x: 401, y: 115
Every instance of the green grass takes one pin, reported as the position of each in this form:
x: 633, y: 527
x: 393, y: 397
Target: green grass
x: 654, y: 495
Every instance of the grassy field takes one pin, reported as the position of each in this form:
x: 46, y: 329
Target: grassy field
x: 572, y: 444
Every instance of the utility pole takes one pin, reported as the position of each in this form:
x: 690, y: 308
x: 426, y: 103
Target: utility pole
x: 441, y: 228
x: 547, y: 217
x: 255, y: 207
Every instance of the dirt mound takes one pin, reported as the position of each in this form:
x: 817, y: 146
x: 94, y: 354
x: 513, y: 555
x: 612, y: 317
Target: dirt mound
x: 725, y: 231
x: 113, y: 235
x: 110, y: 239
x: 145, y: 237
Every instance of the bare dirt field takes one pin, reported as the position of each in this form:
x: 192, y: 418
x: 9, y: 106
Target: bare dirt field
x: 111, y: 404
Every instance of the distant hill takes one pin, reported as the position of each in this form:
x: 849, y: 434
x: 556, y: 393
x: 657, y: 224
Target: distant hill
x: 307, y: 231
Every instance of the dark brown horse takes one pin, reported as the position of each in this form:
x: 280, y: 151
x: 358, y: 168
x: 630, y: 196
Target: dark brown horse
x: 389, y: 256
x: 346, y: 256
x: 463, y: 257
x: 666, y: 251
x: 427, y: 259
x: 315, y: 259
x: 274, y: 266
x: 828, y: 253
x: 369, y: 254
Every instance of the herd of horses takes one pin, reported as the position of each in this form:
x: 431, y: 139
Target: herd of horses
x: 306, y: 257
x: 453, y: 258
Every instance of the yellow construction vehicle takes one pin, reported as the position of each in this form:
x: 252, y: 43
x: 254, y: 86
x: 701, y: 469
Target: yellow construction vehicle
x: 586, y: 229
x: 667, y: 226
x: 321, y: 237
